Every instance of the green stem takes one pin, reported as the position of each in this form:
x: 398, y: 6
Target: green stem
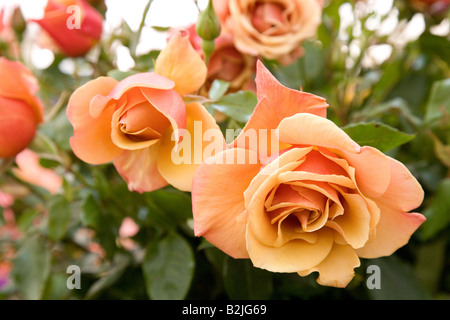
x: 135, y: 40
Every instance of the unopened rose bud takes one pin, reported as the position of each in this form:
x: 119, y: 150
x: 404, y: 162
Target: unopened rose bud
x: 208, y: 24
x: 18, y: 22
x: 20, y: 109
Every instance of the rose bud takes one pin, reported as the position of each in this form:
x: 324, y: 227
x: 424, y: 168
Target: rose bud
x: 74, y: 25
x: 20, y: 110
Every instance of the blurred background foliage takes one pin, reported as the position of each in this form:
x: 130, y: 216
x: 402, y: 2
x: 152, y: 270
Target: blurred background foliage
x: 385, y: 87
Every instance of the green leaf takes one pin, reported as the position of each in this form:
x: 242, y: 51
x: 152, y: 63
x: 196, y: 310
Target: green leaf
x: 397, y: 281
x: 100, y: 218
x: 238, y: 106
x: 90, y: 214
x: 436, y: 46
x: 390, y: 76
x: 441, y: 150
x: 377, y: 135
x: 245, y: 282
x: 26, y: 219
x: 59, y: 217
x: 438, y: 106
x: 438, y: 211
x: 146, y: 61
x: 32, y: 268
x: 110, y: 277
x: 120, y: 75
x: 430, y: 262
x: 56, y: 287
x: 168, y: 268
x: 168, y: 207
x: 218, y: 89
x: 58, y: 130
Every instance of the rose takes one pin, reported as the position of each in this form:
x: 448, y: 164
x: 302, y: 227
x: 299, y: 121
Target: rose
x: 29, y: 170
x: 271, y: 29
x: 76, y: 31
x: 317, y: 205
x: 226, y: 62
x: 20, y: 109
x: 138, y: 122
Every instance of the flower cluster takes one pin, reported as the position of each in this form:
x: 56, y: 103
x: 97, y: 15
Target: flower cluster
x: 292, y: 192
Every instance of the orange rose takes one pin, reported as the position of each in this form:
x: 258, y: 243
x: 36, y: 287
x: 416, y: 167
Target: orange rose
x: 317, y: 205
x: 139, y: 121
x: 20, y: 110
x: 226, y: 62
x: 73, y: 24
x: 271, y: 29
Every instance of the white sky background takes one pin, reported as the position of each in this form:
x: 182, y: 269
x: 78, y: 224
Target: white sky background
x: 174, y: 13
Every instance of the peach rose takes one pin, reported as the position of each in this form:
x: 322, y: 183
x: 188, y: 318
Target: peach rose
x: 60, y: 22
x: 20, y: 109
x: 226, y: 62
x: 29, y: 170
x: 137, y: 122
x: 271, y: 29
x: 318, y: 205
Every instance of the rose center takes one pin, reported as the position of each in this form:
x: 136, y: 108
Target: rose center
x: 269, y: 18
x: 143, y: 122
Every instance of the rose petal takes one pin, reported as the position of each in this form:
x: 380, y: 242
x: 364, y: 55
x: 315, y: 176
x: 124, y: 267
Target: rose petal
x: 218, y: 202
x: 260, y: 187
x: 276, y: 102
x: 72, y: 41
x: 138, y: 168
x: 24, y: 87
x: 291, y: 257
x: 395, y: 225
x: 354, y: 223
x: 169, y: 103
x: 29, y: 170
x: 91, y: 141
x: 17, y: 126
x: 404, y: 191
x: 195, y: 145
x: 372, y: 171
x: 336, y: 269
x: 179, y: 62
x: 141, y: 80
x: 288, y: 230
x: 317, y: 163
x: 392, y: 232
x: 309, y: 129
x: 79, y: 105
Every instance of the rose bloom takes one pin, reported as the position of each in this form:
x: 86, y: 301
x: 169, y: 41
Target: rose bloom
x: 271, y: 29
x: 139, y: 121
x: 226, y: 62
x: 20, y: 109
x: 29, y: 170
x: 61, y: 25
x: 318, y: 205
